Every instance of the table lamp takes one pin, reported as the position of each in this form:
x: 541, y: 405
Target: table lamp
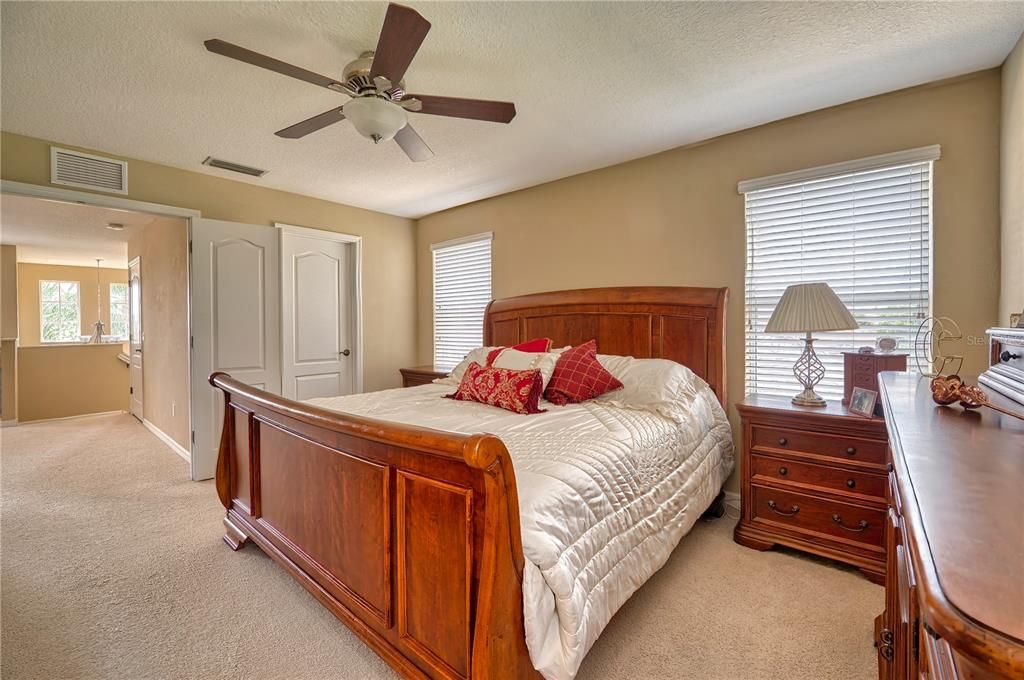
x: 806, y: 308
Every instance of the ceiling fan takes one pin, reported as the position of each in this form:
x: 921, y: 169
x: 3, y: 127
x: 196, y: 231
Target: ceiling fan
x: 375, y: 82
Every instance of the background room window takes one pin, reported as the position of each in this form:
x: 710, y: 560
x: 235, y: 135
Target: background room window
x: 462, y: 290
x: 119, y: 310
x: 864, y: 228
x: 60, y: 316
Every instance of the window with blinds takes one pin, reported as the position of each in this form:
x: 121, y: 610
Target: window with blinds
x: 462, y: 290
x: 862, y: 227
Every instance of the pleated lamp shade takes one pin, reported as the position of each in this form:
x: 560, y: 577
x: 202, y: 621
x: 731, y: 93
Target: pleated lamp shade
x: 808, y: 307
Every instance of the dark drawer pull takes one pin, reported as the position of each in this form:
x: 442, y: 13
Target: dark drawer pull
x: 850, y: 483
x: 850, y: 450
x: 783, y: 471
x: 861, y: 526
x: 782, y: 441
x: 775, y: 508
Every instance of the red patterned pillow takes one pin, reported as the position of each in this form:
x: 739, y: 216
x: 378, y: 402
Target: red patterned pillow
x: 578, y: 376
x: 535, y: 345
x: 516, y: 391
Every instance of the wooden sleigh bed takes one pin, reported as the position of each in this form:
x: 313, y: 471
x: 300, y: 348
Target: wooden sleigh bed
x: 411, y: 536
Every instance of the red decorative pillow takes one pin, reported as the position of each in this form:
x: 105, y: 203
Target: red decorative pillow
x: 535, y: 345
x: 578, y: 376
x: 516, y: 391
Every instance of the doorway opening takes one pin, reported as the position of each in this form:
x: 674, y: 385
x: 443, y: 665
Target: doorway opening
x: 80, y: 335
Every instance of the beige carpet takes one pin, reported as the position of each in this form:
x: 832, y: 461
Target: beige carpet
x: 113, y: 567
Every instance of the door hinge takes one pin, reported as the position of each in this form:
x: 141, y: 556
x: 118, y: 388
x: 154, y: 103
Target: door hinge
x: 190, y: 246
x: 191, y: 341
x: 131, y: 390
x: 193, y: 436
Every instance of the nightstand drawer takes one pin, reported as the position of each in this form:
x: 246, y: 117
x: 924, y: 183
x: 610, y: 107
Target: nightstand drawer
x: 810, y: 514
x: 814, y: 443
x: 768, y: 468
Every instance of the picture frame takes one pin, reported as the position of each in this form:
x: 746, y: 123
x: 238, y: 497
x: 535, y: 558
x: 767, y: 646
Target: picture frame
x: 862, y: 402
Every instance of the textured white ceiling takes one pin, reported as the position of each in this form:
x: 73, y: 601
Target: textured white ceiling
x: 51, y: 232
x: 595, y: 83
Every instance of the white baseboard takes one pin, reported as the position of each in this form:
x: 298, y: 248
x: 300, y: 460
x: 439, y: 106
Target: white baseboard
x: 166, y: 439
x: 8, y: 423
x: 732, y: 499
x: 53, y: 420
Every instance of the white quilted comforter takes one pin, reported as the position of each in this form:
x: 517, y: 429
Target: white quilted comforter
x: 606, y: 492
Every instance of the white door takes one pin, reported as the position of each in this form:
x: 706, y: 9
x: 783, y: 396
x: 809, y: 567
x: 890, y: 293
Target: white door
x: 135, y: 336
x: 235, y: 322
x: 318, y: 352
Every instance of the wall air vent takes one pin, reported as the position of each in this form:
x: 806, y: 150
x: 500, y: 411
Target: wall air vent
x: 233, y: 167
x: 86, y: 171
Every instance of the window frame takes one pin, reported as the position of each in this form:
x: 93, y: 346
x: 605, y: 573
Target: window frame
x: 920, y: 284
x: 110, y: 309
x: 60, y: 303
x: 473, y: 239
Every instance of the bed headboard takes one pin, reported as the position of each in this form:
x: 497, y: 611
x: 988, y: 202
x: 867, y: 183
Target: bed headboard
x: 686, y: 325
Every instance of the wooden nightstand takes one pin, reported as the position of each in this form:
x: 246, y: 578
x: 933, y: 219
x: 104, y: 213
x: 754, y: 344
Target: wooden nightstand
x: 814, y: 479
x: 420, y: 375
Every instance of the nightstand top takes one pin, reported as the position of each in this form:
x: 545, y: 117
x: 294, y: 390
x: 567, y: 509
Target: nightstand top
x: 428, y: 369
x: 833, y: 409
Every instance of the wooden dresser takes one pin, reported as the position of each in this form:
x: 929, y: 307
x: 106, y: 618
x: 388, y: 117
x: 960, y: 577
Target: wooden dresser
x: 813, y: 479
x: 420, y: 375
x: 954, y: 600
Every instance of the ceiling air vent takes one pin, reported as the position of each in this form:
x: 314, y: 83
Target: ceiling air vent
x: 86, y: 171
x: 233, y: 167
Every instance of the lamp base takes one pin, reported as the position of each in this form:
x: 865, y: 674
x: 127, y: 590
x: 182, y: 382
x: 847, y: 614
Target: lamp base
x: 809, y: 371
x: 809, y: 398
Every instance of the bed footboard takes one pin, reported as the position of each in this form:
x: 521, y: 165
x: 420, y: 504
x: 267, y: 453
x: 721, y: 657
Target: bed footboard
x: 409, y: 536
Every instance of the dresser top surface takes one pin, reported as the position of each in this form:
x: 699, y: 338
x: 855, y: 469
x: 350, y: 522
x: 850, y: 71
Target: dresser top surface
x: 965, y: 472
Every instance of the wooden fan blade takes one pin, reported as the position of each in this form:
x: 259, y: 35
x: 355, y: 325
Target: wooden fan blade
x: 477, y: 109
x: 400, y: 38
x: 413, y: 145
x: 263, y: 61
x: 312, y: 124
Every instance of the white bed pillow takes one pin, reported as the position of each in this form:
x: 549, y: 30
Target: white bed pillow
x: 522, y: 361
x: 479, y: 355
x: 509, y: 358
x: 658, y: 385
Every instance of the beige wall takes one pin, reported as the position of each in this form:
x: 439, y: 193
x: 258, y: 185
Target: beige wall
x: 676, y: 218
x: 389, y: 307
x: 162, y: 247
x: 70, y: 380
x: 8, y: 292
x: 8, y: 332
x: 8, y: 380
x: 1011, y: 299
x: 29, y: 276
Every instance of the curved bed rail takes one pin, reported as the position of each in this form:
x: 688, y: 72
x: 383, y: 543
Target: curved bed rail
x: 409, y: 535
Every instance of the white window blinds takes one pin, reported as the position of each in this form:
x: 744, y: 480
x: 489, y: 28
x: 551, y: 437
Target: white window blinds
x: 462, y: 291
x: 863, y: 228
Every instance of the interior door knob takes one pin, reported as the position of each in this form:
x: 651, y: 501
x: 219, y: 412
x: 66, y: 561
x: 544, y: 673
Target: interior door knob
x: 345, y: 352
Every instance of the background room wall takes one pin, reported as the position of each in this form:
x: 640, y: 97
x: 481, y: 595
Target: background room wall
x: 8, y: 333
x: 1011, y: 299
x: 162, y: 247
x: 676, y: 218
x: 389, y: 297
x: 70, y: 380
x: 29, y: 276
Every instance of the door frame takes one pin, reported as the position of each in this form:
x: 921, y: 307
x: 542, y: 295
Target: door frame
x: 51, y: 193
x: 136, y: 262
x: 355, y: 289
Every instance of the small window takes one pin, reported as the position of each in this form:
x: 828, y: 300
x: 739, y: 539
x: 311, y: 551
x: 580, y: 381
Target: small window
x: 462, y: 291
x: 60, y: 314
x: 119, y: 310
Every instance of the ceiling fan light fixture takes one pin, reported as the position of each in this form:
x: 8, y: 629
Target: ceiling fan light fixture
x: 375, y: 118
